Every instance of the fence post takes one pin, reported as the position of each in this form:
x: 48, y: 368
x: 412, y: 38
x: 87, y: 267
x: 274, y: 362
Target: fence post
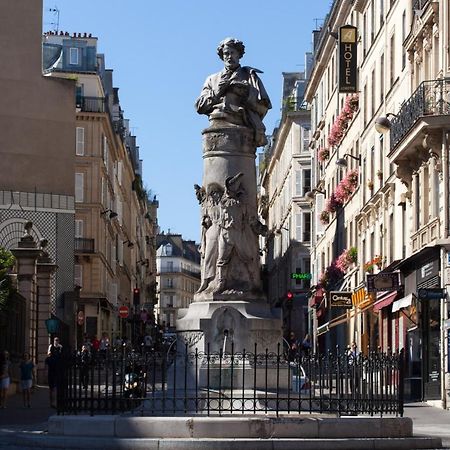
x: 401, y: 381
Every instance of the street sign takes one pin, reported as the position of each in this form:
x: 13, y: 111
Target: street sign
x: 123, y: 312
x: 80, y: 318
x: 388, y: 281
x: 342, y: 299
x: 431, y: 293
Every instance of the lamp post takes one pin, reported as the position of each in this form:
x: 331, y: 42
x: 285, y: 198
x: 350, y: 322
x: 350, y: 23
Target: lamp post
x: 52, y: 325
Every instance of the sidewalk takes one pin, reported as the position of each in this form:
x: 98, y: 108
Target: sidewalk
x: 17, y: 418
x: 429, y: 421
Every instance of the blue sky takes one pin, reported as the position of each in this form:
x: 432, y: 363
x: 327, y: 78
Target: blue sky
x: 161, y: 53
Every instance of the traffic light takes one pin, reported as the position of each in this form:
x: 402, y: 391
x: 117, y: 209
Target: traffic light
x: 136, y: 296
x: 289, y: 296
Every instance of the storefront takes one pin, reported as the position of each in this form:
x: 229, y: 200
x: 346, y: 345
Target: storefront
x: 421, y: 312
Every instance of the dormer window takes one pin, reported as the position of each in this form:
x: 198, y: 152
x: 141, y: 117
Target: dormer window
x: 168, y: 249
x: 73, y: 56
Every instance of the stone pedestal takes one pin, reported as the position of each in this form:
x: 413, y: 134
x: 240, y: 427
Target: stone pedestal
x: 227, y: 338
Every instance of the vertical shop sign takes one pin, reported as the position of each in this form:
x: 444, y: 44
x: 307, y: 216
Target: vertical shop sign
x: 348, y: 79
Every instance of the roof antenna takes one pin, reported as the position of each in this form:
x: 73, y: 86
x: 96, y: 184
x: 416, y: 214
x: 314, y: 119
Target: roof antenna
x: 55, y: 24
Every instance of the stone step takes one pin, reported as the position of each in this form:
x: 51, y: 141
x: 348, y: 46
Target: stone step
x: 45, y: 441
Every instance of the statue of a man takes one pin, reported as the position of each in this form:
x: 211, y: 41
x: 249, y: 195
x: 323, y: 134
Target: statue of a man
x: 236, y: 93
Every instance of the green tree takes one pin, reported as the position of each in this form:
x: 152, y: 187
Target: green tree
x: 7, y: 262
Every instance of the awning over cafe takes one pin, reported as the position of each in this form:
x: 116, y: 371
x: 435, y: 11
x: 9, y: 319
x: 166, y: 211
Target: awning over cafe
x: 403, y: 302
x: 361, y: 298
x: 385, y: 301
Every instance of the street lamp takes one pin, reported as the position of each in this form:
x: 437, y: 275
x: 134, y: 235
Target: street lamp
x: 383, y: 124
x: 112, y: 213
x: 342, y: 162
x: 311, y: 194
x: 52, y: 325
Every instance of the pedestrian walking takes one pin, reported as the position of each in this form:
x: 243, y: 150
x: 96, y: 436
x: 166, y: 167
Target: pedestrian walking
x: 26, y: 378
x: 353, y: 364
x: 85, y: 362
x: 5, y: 378
x: 306, y: 345
x: 54, y: 370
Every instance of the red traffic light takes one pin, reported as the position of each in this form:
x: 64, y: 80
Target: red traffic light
x: 289, y: 295
x: 136, y: 291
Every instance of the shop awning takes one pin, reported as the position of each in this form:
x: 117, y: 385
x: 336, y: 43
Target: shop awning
x: 385, y: 301
x: 403, y: 302
x: 361, y: 298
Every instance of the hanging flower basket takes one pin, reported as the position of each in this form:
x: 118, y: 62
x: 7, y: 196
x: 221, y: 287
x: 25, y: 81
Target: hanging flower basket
x: 323, y: 154
x: 324, y: 217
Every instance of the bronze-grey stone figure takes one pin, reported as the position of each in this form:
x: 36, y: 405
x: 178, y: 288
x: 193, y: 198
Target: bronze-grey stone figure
x: 235, y: 102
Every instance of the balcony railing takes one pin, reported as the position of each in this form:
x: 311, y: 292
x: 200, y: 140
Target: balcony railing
x: 92, y: 104
x: 83, y: 245
x: 178, y: 270
x: 431, y: 98
x: 419, y: 5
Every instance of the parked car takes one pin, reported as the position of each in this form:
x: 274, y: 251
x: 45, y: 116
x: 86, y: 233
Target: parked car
x: 300, y: 382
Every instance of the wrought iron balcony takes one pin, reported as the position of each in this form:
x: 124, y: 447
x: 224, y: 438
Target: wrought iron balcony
x: 419, y: 5
x: 92, y: 104
x: 83, y: 245
x: 431, y: 98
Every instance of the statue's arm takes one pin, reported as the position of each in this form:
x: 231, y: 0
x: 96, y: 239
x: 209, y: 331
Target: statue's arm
x: 207, y: 99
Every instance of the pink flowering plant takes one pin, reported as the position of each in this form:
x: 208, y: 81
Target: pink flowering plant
x: 333, y: 204
x: 324, y: 217
x: 323, y: 154
x: 343, y: 119
x: 330, y: 276
x: 346, y: 258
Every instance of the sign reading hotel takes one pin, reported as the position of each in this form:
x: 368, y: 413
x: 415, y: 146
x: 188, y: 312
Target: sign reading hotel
x: 347, y: 59
x: 341, y: 299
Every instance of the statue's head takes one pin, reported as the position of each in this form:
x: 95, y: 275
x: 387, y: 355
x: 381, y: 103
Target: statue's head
x: 232, y: 43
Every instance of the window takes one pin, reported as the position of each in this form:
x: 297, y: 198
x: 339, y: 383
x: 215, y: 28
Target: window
x: 168, y: 250
x: 298, y: 182
x: 403, y: 39
x: 169, y: 283
x: 79, y: 225
x: 381, y: 12
x: 392, y: 61
x: 306, y: 227
x: 80, y: 142
x: 79, y: 187
x: 382, y: 79
x: 169, y: 266
x: 73, y: 56
x: 372, y: 100
x: 306, y: 181
x: 78, y: 275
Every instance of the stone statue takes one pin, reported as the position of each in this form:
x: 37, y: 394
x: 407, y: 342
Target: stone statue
x: 236, y: 92
x: 235, y: 102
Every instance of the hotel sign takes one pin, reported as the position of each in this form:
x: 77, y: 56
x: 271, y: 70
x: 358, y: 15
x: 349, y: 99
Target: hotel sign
x: 347, y: 59
x: 341, y: 299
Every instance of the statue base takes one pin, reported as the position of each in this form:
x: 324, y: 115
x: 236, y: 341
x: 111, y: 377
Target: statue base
x: 227, y: 338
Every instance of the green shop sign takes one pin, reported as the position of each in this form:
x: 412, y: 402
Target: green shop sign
x: 301, y: 276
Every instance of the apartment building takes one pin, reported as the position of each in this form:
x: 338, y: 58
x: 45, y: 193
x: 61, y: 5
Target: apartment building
x: 115, y: 216
x: 285, y: 179
x: 37, y: 151
x: 178, y: 276
x: 380, y: 229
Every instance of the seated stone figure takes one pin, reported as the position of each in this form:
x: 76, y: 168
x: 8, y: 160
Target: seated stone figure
x: 235, y: 94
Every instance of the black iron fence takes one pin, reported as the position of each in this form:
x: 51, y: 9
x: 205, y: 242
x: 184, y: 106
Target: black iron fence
x: 185, y: 382
x: 431, y: 98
